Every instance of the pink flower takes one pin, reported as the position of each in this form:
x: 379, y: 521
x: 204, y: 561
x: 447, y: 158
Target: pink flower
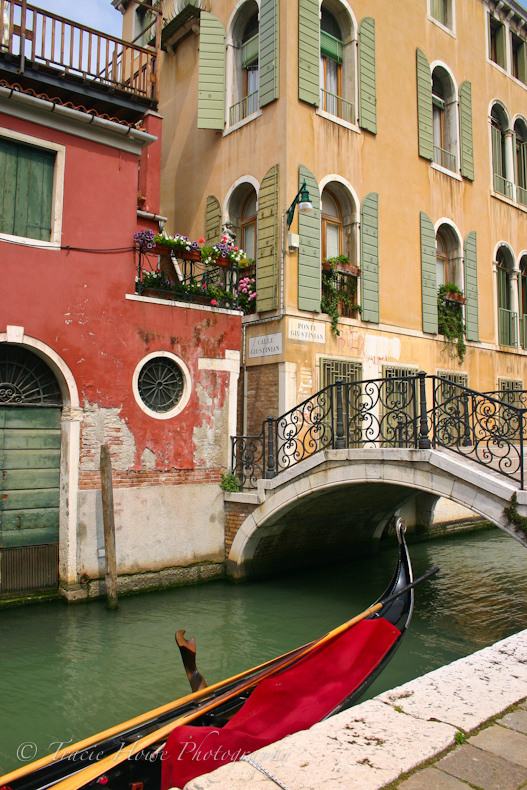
x: 236, y: 249
x: 213, y: 302
x: 224, y: 239
x: 201, y: 241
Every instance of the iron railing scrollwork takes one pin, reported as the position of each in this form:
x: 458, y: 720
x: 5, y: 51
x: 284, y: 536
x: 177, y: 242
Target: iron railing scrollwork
x: 487, y: 428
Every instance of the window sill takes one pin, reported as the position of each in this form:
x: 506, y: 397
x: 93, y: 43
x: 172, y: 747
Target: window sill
x: 23, y: 241
x: 497, y: 66
x: 188, y: 305
x: 335, y: 119
x: 238, y: 125
x: 442, y: 27
x: 445, y: 171
x: 518, y: 82
x: 508, y: 201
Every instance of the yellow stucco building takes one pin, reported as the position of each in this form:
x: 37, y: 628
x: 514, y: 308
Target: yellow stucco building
x: 408, y: 123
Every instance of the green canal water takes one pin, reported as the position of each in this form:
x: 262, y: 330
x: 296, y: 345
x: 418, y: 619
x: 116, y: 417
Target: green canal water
x: 69, y: 671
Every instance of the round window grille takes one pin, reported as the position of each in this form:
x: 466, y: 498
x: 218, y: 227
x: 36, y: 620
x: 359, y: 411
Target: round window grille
x: 161, y: 384
x: 26, y: 380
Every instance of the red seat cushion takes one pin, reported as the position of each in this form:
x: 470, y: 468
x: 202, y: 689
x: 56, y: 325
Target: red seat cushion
x: 292, y: 700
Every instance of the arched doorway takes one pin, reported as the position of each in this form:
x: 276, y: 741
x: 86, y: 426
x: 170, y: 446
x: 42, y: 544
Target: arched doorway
x: 30, y: 416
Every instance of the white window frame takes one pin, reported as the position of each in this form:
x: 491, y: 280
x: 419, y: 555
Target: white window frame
x: 452, y: 14
x: 57, y: 203
x: 187, y: 388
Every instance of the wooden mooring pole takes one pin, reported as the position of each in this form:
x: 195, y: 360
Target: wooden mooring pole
x: 110, y: 575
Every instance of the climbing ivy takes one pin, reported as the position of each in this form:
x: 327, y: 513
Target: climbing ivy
x: 337, y: 289
x: 515, y: 518
x: 450, y: 319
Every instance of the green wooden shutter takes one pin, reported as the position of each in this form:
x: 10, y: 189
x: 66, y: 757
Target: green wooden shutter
x: 424, y: 107
x: 309, y: 260
x: 367, y: 83
x: 26, y: 178
x: 212, y: 221
x: 465, y: 127
x: 268, y: 62
x: 497, y: 158
x: 471, y: 286
x: 501, y: 46
x: 522, y: 62
x: 428, y: 274
x: 211, y: 91
x: 309, y: 51
x: 369, y: 253
x: 268, y: 242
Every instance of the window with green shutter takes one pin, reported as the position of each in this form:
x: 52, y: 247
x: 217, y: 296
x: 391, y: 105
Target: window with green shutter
x: 497, y: 42
x: 424, y: 107
x: 471, y: 287
x: 369, y: 255
x: 367, y: 76
x: 428, y: 274
x: 465, y: 128
x: 308, y: 51
x: 269, y: 49
x: 520, y: 130
x: 519, y: 58
x: 212, y: 221
x: 309, y: 259
x: 268, y: 245
x: 26, y: 198
x: 211, y: 87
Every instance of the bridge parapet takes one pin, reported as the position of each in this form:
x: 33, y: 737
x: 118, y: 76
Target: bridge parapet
x: 419, y: 412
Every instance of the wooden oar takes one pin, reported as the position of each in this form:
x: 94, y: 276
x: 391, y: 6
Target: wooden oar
x: 91, y: 772
x: 143, y: 718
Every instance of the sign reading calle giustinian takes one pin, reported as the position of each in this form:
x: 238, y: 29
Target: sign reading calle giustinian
x: 307, y: 331
x: 265, y: 345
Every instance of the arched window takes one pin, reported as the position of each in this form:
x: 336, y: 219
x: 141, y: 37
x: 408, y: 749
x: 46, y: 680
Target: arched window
x: 507, y: 316
x: 242, y: 64
x: 240, y: 223
x: 248, y: 227
x: 503, y: 178
x: 336, y: 63
x: 523, y: 301
x: 449, y: 258
x: 520, y: 129
x: 331, y: 227
x: 444, y: 119
x: 339, y: 278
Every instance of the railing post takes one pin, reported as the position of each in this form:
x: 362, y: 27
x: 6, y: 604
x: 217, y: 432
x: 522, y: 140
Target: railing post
x: 466, y: 424
x: 271, y: 471
x: 522, y: 426
x: 340, y: 444
x: 423, y: 441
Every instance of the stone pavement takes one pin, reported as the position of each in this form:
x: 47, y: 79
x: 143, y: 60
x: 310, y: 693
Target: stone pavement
x: 437, y: 732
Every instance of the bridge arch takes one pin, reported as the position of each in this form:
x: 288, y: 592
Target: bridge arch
x: 340, y: 501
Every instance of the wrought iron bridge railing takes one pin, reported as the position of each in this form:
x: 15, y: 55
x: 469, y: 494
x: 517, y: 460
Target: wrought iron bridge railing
x: 182, y: 279
x: 29, y: 34
x: 418, y: 412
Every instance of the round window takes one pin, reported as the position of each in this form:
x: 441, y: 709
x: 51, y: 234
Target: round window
x: 161, y: 384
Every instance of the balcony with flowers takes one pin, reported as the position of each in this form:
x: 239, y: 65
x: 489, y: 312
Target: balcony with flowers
x: 181, y: 270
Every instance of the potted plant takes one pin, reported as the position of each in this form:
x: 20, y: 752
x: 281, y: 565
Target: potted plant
x: 450, y: 317
x: 223, y: 254
x: 340, y: 264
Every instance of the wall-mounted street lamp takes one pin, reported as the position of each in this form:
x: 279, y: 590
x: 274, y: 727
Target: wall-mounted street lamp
x: 303, y: 201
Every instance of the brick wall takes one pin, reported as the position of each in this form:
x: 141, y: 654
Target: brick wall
x: 262, y: 392
x: 235, y: 515
x: 130, y: 479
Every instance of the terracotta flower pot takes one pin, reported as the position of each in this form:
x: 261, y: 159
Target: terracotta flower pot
x: 224, y: 262
x: 189, y: 255
x: 452, y: 296
x: 342, y: 268
x: 160, y: 249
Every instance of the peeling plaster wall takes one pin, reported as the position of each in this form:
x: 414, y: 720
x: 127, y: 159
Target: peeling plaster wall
x: 156, y: 527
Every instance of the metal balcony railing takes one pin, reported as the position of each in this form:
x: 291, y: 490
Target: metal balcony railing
x: 507, y: 327
x: 502, y: 186
x: 521, y: 195
x: 445, y: 159
x: 413, y: 412
x: 336, y: 105
x: 31, y: 35
x: 243, y: 108
x: 169, y: 276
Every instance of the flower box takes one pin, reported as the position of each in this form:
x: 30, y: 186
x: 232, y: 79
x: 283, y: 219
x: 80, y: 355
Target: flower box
x: 452, y: 296
x: 224, y: 262
x: 189, y: 255
x: 160, y: 249
x: 341, y: 268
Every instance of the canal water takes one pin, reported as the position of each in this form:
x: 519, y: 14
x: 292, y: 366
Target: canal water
x: 69, y: 671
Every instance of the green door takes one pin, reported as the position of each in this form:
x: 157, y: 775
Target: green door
x: 29, y: 483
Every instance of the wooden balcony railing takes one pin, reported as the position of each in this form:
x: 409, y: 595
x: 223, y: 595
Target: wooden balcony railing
x: 45, y: 39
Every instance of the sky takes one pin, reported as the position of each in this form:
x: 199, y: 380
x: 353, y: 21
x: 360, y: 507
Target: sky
x: 100, y: 14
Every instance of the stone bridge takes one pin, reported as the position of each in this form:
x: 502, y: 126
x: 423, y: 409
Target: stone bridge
x: 335, y: 504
